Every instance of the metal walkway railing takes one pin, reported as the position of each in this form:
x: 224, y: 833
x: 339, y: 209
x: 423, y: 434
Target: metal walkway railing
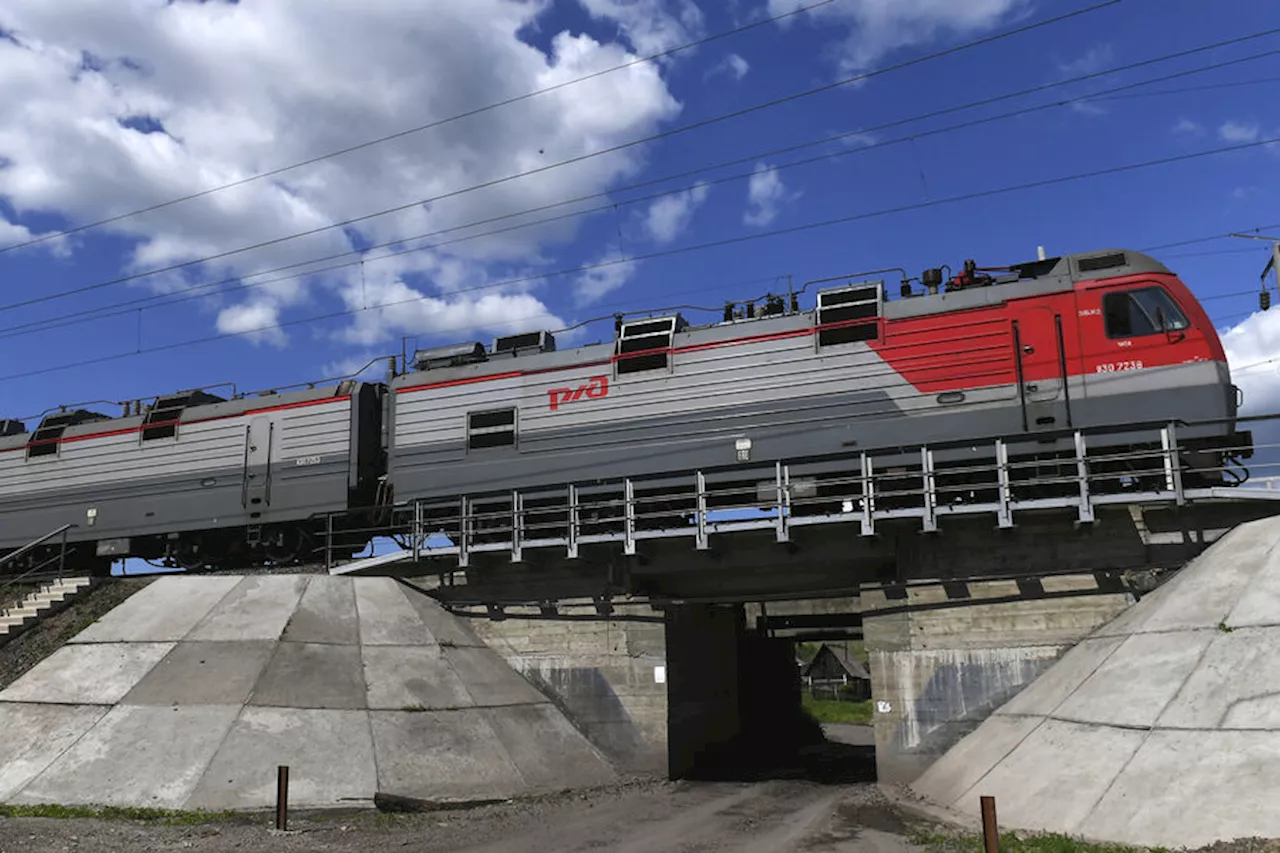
x: 863, y: 489
x: 39, y: 572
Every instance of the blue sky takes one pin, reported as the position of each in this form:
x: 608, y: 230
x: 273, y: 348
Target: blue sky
x: 115, y: 107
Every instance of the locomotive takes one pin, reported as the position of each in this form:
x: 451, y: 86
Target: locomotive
x: 1043, y: 347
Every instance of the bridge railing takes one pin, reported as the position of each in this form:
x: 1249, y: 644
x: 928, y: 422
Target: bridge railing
x: 1172, y: 463
x: 49, y: 569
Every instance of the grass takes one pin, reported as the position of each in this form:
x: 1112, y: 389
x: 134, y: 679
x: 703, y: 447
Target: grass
x: 1016, y: 842
x: 165, y: 816
x: 835, y: 711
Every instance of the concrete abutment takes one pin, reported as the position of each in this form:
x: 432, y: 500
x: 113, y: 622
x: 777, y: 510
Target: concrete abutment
x: 936, y: 674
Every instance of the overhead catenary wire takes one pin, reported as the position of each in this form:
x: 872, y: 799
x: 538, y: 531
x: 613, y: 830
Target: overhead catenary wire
x: 195, y: 292
x: 795, y: 96
x: 745, y: 238
x: 612, y: 310
x: 419, y: 128
x: 1198, y: 240
x: 1204, y: 87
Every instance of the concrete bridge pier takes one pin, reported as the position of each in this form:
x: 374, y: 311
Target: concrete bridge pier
x: 733, y: 695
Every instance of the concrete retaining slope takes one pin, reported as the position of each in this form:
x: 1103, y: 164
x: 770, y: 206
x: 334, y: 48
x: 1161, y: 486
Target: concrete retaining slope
x: 1161, y: 728
x: 191, y: 692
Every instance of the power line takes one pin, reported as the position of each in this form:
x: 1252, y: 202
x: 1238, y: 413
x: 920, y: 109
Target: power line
x: 580, y: 158
x: 1214, y: 252
x: 419, y: 128
x: 702, y: 289
x: 162, y: 300
x: 1202, y: 88
x: 167, y: 300
x: 1198, y: 240
x: 1044, y: 182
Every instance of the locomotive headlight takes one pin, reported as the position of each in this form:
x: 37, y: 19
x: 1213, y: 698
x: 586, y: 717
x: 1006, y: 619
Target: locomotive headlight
x: 91, y: 516
x: 743, y: 448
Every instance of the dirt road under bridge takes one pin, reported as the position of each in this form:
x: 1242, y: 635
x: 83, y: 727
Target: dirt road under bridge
x: 708, y: 817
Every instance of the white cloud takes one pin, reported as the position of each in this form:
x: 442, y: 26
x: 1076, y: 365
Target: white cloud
x: 766, y: 194
x: 593, y: 284
x: 1088, y: 108
x: 1236, y: 131
x: 652, y: 26
x: 396, y: 309
x: 733, y: 65
x: 367, y: 367
x: 876, y: 28
x: 175, y: 102
x: 256, y: 321
x: 1092, y: 60
x: 1252, y: 347
x: 1189, y: 127
x: 11, y: 234
x: 670, y: 215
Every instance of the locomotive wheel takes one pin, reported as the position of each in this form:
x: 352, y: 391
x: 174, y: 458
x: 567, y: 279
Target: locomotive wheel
x: 189, y: 555
x: 290, y: 545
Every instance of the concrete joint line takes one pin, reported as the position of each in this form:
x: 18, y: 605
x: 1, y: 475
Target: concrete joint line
x: 1221, y: 720
x: 1043, y: 719
x: 18, y: 791
x: 1147, y: 732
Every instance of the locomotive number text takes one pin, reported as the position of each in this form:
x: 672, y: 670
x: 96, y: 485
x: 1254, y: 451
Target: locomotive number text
x: 596, y: 387
x: 1117, y: 366
x: 307, y: 460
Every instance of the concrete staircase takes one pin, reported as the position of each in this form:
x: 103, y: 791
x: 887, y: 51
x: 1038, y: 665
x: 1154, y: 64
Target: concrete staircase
x: 48, y: 599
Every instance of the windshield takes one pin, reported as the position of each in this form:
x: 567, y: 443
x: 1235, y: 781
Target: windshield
x: 1131, y: 313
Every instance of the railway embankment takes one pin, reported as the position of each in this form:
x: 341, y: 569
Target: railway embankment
x: 192, y: 691
x: 1161, y: 727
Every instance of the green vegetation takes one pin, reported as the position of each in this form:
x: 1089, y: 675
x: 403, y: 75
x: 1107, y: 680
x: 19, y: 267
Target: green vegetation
x: 836, y: 711
x: 164, y: 816
x: 1016, y: 842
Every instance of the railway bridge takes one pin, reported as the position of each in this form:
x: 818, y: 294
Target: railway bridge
x: 965, y: 579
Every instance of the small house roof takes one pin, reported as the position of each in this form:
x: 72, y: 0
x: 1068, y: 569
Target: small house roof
x: 851, y: 665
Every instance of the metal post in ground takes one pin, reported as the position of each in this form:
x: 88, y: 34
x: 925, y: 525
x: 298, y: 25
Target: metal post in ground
x: 990, y: 830
x: 282, y: 797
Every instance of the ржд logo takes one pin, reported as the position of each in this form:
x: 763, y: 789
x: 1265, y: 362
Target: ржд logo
x: 596, y: 387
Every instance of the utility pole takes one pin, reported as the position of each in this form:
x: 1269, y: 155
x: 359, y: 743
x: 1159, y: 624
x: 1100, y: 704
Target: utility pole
x: 1264, y: 298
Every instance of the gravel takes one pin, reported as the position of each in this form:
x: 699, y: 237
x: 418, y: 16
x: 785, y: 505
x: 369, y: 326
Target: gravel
x: 23, y: 652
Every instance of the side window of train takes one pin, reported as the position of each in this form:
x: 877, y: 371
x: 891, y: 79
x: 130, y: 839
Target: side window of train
x: 1140, y: 311
x: 849, y: 314
x: 492, y: 428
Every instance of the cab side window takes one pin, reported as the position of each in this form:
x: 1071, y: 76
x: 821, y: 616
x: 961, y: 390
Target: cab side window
x: 1138, y: 312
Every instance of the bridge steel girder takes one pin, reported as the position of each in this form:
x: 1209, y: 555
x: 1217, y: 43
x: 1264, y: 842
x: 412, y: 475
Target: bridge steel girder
x: 835, y: 559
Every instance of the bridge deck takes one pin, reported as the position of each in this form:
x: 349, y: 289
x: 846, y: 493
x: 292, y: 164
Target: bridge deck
x: 1004, y: 480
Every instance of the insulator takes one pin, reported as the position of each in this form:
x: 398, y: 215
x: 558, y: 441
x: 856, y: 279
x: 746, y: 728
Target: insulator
x: 1264, y: 299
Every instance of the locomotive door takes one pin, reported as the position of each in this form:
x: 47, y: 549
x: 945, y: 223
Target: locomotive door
x: 258, y: 439
x: 1042, y: 370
